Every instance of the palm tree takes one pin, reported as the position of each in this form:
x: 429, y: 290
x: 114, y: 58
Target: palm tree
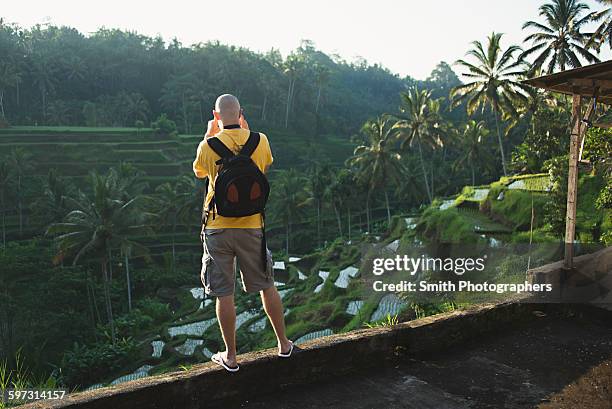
x: 195, y: 190
x: 126, y: 252
x: 289, y: 199
x: 128, y: 179
x: 137, y: 108
x: 321, y: 76
x: 337, y: 192
x: 473, y: 150
x: 292, y: 68
x: 345, y: 195
x: 318, y: 181
x: 264, y: 84
x: 179, y: 94
x: 9, y: 78
x: 410, y: 191
x: 20, y: 162
x: 603, y: 33
x: 5, y: 178
x: 267, y: 77
x: 559, y: 39
x: 76, y: 69
x: 376, y: 162
x: 171, y: 203
x: 53, y: 205
x: 535, y: 98
x: 97, y: 225
x: 420, y: 123
x: 44, y: 78
x: 58, y: 113
x: 494, y: 83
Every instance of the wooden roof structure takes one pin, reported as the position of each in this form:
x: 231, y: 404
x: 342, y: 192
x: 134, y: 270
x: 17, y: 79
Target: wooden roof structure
x: 592, y: 82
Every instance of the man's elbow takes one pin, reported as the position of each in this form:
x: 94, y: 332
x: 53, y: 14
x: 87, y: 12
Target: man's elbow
x: 199, y: 174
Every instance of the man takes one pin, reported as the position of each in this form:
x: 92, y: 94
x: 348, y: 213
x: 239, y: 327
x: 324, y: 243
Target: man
x: 230, y: 239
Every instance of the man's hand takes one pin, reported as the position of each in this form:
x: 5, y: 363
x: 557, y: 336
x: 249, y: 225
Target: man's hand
x: 243, y: 122
x: 213, y: 128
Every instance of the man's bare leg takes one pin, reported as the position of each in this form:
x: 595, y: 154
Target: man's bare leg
x: 226, y: 314
x: 274, y: 308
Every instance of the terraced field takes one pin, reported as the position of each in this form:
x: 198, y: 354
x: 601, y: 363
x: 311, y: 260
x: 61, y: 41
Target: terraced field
x: 76, y: 151
x: 321, y: 290
x: 323, y: 294
x: 317, y: 303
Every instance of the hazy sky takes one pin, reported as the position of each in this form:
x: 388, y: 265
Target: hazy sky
x: 409, y: 37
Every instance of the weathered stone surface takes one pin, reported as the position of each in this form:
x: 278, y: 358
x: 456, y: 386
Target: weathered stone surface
x: 589, y: 281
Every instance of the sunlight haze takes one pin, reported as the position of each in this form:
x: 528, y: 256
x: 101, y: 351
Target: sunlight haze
x: 408, y: 37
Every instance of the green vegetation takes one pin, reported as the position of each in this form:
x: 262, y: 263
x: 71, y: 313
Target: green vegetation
x: 515, y: 209
x: 559, y: 41
x: 421, y: 124
x: 53, y: 75
x: 100, y: 244
x: 389, y: 321
x: 514, y: 212
x: 378, y: 167
x: 494, y: 83
x: 19, y: 378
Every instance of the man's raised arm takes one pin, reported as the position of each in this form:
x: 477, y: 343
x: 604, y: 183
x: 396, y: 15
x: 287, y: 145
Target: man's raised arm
x: 268, y: 159
x: 199, y: 164
x: 199, y: 169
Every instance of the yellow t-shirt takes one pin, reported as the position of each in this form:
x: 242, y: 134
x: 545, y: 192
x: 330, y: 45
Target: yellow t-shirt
x: 204, y: 166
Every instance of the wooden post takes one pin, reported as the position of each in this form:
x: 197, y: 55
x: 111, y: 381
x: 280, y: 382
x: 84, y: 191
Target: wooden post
x: 579, y: 129
x: 572, y: 181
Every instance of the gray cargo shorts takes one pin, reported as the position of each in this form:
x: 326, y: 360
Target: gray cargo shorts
x: 222, y: 249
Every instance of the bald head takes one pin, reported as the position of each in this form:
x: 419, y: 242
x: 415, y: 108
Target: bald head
x: 227, y: 108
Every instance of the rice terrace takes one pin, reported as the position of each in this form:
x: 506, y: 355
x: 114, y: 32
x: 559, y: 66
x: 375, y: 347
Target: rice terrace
x: 437, y: 231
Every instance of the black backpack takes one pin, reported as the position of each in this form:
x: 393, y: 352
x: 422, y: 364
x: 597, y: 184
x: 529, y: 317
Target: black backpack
x: 241, y: 188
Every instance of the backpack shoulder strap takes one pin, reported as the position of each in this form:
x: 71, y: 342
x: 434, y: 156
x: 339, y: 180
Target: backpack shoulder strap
x: 219, y: 148
x: 251, y: 144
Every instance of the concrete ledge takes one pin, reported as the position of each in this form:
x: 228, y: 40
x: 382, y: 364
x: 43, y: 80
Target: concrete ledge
x: 262, y: 372
x: 589, y: 281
